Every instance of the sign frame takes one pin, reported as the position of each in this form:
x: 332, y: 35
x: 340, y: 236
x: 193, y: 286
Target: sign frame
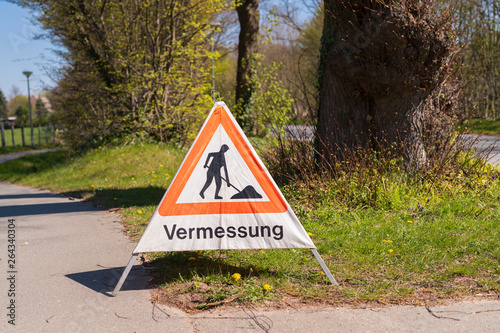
x: 169, y: 207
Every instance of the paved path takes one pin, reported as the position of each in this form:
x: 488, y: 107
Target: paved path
x: 69, y: 255
x: 12, y: 156
x: 488, y: 145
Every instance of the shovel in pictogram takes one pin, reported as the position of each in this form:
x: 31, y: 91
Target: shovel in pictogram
x: 248, y: 192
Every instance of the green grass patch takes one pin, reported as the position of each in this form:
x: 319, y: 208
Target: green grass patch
x: 393, y: 241
x: 482, y: 126
x: 41, y: 139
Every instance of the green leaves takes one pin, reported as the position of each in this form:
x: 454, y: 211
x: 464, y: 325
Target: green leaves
x: 137, y: 67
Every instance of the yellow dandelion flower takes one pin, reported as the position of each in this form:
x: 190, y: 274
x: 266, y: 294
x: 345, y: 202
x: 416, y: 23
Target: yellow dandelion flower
x: 387, y: 235
x: 309, y: 234
x: 409, y: 221
x: 155, y: 176
x: 123, y: 154
x: 262, y: 251
x: 236, y: 276
x: 383, y: 240
x: 266, y: 286
x: 139, y: 211
x: 389, y: 241
x: 110, y: 185
x: 152, y: 172
x: 251, y: 269
x: 192, y: 258
x: 390, y: 250
x: 92, y: 186
x: 133, y: 178
x: 161, y: 165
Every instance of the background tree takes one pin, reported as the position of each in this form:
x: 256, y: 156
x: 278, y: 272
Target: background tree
x: 40, y: 109
x: 381, y: 63
x: 138, y: 67
x: 249, y: 18
x: 15, y: 102
x: 22, y: 119
x: 296, y: 42
x: 4, y: 112
x: 480, y: 22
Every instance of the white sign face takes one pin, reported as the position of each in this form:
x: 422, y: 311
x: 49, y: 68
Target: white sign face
x: 222, y: 197
x: 239, y: 175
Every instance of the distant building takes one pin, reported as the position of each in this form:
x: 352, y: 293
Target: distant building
x: 46, y: 102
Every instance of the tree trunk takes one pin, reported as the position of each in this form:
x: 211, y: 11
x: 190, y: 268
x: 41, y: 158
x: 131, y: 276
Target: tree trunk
x: 248, y: 15
x: 380, y: 62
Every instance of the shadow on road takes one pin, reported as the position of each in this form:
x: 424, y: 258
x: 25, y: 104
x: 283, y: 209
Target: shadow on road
x: 104, y: 280
x: 121, y: 198
x: 46, y: 208
x: 28, y: 196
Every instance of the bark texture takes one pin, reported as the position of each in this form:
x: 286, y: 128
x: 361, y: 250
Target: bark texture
x: 248, y: 16
x: 381, y: 63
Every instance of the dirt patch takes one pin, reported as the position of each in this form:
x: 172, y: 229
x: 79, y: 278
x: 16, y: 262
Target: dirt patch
x: 194, y: 297
x: 187, y: 296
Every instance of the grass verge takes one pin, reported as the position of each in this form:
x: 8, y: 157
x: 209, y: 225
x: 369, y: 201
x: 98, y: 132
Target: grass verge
x: 41, y: 140
x: 400, y: 241
x: 482, y: 126
x: 40, y: 137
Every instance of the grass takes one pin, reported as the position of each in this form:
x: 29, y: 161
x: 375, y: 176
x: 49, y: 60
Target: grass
x: 396, y: 242
x: 483, y: 126
x: 10, y: 148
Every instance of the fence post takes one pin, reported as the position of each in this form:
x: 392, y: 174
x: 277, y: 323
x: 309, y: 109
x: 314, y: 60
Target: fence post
x: 12, y: 133
x: 22, y: 135
x: 3, y: 134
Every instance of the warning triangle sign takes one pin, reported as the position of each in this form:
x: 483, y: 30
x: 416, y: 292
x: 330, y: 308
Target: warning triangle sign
x: 221, y: 174
x: 222, y: 197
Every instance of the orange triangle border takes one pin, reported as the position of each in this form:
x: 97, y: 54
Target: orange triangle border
x: 219, y: 116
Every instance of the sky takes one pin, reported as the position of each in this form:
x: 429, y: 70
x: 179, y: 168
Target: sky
x: 20, y: 52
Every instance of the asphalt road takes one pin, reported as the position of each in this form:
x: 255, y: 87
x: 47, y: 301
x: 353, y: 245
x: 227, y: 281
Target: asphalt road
x: 69, y: 256
x: 12, y: 156
x: 488, y: 145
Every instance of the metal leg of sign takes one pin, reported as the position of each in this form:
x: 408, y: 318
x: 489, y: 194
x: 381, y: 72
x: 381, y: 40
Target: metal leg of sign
x: 325, y: 269
x: 124, y: 274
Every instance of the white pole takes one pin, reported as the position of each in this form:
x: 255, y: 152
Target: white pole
x: 323, y: 265
x: 124, y: 274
